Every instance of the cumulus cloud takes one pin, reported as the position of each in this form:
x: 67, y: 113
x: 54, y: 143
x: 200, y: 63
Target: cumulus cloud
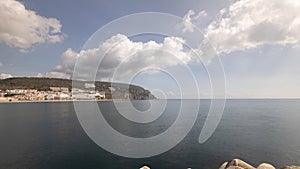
x: 122, y: 57
x: 247, y: 24
x: 5, y: 76
x: 68, y: 58
x: 22, y: 28
x: 190, y: 18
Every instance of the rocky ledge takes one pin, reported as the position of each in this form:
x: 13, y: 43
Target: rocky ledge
x: 239, y: 164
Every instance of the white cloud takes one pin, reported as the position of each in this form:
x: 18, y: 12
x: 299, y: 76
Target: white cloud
x: 69, y: 58
x: 5, y: 76
x: 190, y: 18
x: 247, y: 24
x: 125, y: 56
x: 22, y: 28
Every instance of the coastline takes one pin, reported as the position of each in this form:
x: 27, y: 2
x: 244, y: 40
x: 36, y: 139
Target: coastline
x: 6, y: 100
x: 51, y: 101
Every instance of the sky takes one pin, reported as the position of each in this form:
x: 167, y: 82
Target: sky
x: 255, y: 43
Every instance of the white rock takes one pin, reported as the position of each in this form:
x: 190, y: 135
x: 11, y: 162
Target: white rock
x: 223, y: 166
x: 239, y: 163
x: 265, y: 166
x: 145, y: 167
x: 234, y: 167
x: 291, y: 167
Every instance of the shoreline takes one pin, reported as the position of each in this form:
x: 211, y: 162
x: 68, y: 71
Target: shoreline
x: 53, y: 101
x: 50, y: 101
x: 5, y: 100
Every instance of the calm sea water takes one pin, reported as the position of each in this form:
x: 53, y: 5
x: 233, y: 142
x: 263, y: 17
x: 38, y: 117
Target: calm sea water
x: 49, y: 136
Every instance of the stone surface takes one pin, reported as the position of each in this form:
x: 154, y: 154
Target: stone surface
x: 291, y: 167
x: 234, y: 167
x: 223, y: 166
x: 145, y: 167
x: 265, y: 166
x: 239, y: 163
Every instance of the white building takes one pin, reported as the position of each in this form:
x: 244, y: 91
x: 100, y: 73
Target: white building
x: 59, y: 89
x: 89, y: 85
x: 63, y: 96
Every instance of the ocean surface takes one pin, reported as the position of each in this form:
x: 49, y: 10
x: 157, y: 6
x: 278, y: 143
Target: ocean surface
x: 49, y: 136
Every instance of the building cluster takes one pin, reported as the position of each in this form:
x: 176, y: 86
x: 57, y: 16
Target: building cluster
x: 55, y: 93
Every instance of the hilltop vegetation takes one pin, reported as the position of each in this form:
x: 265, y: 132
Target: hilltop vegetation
x: 118, y: 90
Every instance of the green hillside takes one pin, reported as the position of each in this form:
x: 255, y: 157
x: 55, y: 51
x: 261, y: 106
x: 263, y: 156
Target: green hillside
x: 44, y: 84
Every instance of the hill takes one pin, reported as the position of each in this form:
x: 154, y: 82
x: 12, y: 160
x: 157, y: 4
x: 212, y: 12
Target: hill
x: 118, y: 90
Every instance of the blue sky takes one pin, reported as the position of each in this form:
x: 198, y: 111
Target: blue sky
x: 256, y: 41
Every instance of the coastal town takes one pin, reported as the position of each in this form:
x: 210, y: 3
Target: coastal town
x: 28, y: 89
x: 54, y: 94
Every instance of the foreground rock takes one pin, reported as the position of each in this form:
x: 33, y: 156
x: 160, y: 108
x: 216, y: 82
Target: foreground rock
x: 239, y: 164
x: 291, y: 167
x: 145, y: 167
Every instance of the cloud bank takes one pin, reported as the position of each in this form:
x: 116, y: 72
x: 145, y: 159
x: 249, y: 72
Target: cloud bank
x: 22, y: 28
x: 247, y: 24
x: 124, y: 57
x: 190, y: 18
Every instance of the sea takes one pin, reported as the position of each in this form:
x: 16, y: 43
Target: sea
x: 48, y: 135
